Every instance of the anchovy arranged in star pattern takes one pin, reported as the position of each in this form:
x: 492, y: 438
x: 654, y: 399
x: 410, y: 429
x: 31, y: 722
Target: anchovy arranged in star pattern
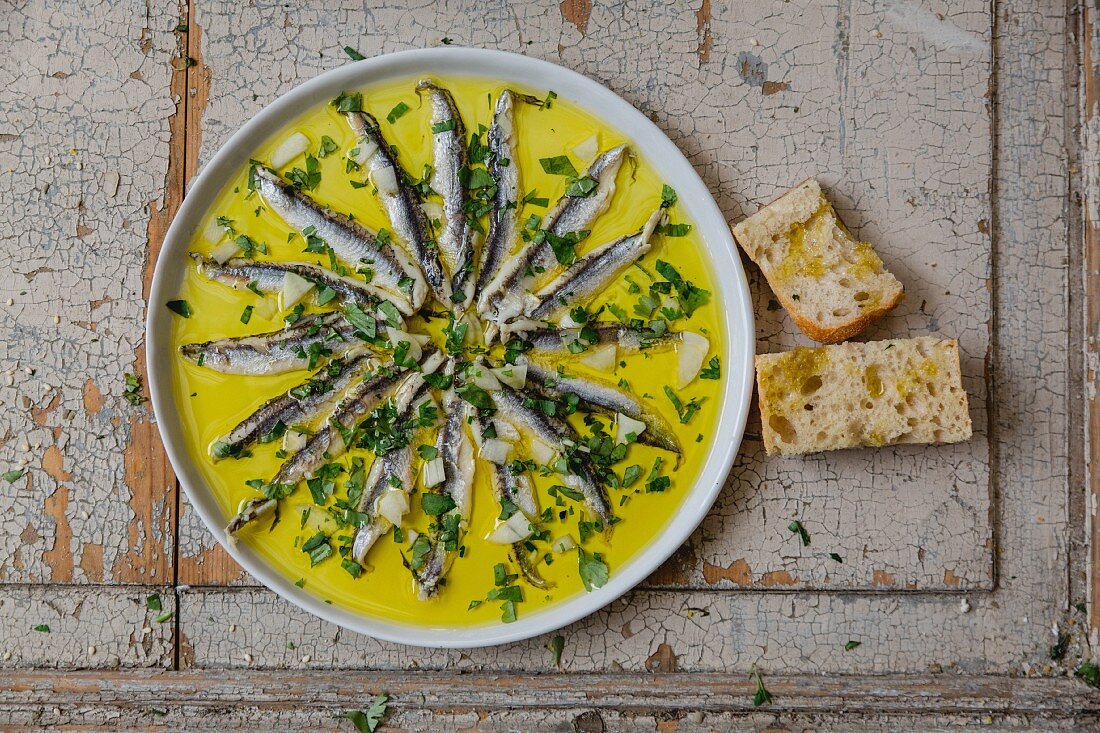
x: 504, y: 297
x: 457, y: 452
x: 390, y: 472
x: 518, y: 490
x: 277, y: 352
x: 505, y: 211
x: 606, y: 398
x: 299, y: 405
x: 554, y: 433
x: 591, y: 274
x: 393, y: 275
x: 450, y: 163
x: 401, y: 203
x: 629, y: 340
x: 267, y: 277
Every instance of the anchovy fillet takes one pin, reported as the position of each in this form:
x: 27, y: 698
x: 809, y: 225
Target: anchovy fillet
x: 298, y: 405
x: 395, y: 466
x: 606, y: 398
x: 268, y: 278
x: 504, y: 295
x: 453, y: 444
x: 449, y: 162
x: 401, y: 203
x: 394, y: 275
x: 276, y: 352
x: 590, y: 275
x: 554, y: 433
x: 504, y: 214
x: 629, y: 340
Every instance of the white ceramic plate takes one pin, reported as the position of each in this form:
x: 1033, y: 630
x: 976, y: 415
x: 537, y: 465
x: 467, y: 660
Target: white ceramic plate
x: 729, y: 280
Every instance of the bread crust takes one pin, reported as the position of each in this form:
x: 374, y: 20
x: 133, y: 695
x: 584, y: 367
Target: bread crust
x: 750, y: 231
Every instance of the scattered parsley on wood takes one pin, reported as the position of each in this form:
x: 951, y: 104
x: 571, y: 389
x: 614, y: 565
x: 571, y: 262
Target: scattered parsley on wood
x: 796, y: 526
x: 1090, y: 673
x: 180, y: 307
x: 14, y: 475
x: 42, y: 628
x: 852, y: 644
x: 152, y: 602
x: 368, y: 721
x: 164, y: 617
x: 762, y: 695
x: 557, y: 645
x: 836, y: 557
x: 353, y: 54
x: 132, y: 390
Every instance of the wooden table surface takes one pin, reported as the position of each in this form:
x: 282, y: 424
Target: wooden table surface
x: 961, y: 138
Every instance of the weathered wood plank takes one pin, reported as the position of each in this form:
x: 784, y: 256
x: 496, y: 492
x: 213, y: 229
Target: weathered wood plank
x: 87, y: 122
x: 758, y: 97
x: 699, y: 631
x: 426, y: 701
x: 102, y: 627
x: 1089, y: 260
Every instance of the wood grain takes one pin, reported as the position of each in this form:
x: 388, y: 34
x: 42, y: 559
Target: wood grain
x: 99, y: 132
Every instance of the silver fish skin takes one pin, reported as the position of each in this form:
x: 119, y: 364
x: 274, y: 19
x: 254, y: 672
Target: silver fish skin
x: 505, y: 212
x: 628, y: 340
x: 276, y: 352
x: 352, y: 242
x: 504, y: 297
x: 402, y: 205
x: 591, y: 274
x: 299, y: 405
x: 250, y: 512
x: 513, y: 487
x: 449, y: 160
x: 396, y: 466
x: 554, y: 433
x: 607, y: 399
x: 268, y: 278
x: 456, y: 450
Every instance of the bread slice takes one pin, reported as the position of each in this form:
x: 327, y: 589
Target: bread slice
x: 862, y: 394
x: 833, y: 285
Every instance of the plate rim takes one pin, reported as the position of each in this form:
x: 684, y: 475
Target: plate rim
x: 735, y: 307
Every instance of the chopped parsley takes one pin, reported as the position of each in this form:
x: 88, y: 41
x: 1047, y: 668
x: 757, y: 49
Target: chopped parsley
x: 762, y: 695
x: 713, y: 369
x: 309, y: 178
x: 668, y: 196
x: 354, y: 56
x: 368, y: 721
x: 593, y: 570
x: 346, y: 102
x: 132, y: 390
x: 796, y: 527
x: 852, y: 644
x: 397, y: 112
x: 180, y: 307
x: 558, y: 165
x: 14, y: 475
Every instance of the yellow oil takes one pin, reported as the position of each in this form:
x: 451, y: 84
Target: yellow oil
x: 209, y: 403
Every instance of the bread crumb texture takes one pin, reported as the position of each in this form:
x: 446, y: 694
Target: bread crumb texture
x: 862, y: 394
x: 833, y: 285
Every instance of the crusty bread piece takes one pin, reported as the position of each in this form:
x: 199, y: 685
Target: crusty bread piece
x: 856, y: 394
x: 833, y: 285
